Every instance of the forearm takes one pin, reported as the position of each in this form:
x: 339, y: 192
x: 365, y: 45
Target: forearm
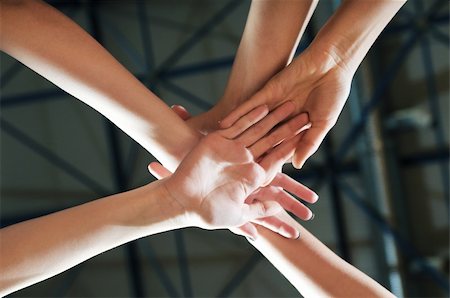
x: 351, y: 31
x: 37, y: 249
x: 313, y: 269
x: 58, y: 49
x: 271, y: 35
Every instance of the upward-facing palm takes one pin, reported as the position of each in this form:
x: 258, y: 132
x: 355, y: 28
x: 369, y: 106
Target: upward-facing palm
x: 216, y: 182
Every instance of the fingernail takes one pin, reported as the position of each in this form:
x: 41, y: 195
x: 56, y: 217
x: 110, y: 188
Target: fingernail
x: 315, y: 197
x: 250, y: 238
x: 312, y: 217
x: 298, y: 237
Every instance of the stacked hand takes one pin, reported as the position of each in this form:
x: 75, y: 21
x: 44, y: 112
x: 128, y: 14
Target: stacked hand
x: 218, y: 184
x: 318, y: 84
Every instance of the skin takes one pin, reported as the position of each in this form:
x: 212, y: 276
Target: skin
x: 208, y: 190
x: 319, y: 80
x: 328, y: 64
x: 21, y: 25
x: 28, y: 27
x: 262, y: 53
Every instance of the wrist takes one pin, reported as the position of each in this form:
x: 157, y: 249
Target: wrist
x: 350, y: 32
x: 331, y: 56
x: 168, y: 209
x: 209, y: 121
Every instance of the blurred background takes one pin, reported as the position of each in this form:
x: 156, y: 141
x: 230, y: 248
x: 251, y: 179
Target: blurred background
x: 382, y: 174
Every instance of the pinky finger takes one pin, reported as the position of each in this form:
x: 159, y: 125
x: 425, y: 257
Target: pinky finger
x: 158, y: 170
x: 247, y: 230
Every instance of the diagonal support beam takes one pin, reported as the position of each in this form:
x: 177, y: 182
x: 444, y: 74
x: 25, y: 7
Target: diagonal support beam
x: 241, y: 274
x: 52, y: 158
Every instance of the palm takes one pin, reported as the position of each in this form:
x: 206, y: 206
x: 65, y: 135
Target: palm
x: 228, y: 165
x: 220, y: 197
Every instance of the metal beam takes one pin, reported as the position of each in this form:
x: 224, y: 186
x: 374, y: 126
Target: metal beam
x: 10, y: 73
x: 337, y: 207
x: 433, y: 103
x: 377, y: 97
x: 33, y: 97
x: 407, y: 247
x: 160, y: 272
x: 240, y: 275
x: 200, y: 33
x: 200, y: 67
x: 194, y: 99
x: 52, y: 158
x: 183, y: 264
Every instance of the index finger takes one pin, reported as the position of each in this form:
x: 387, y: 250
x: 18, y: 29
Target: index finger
x: 257, y: 99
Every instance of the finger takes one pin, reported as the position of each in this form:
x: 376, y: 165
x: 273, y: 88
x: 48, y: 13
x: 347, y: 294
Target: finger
x: 257, y: 99
x: 308, y: 145
x: 245, y: 122
x: 261, y: 128
x: 278, y: 226
x: 277, y: 156
x: 181, y: 112
x: 247, y: 230
x: 291, y: 204
x: 237, y: 231
x: 157, y: 170
x: 285, y: 131
x: 294, y: 187
x: 259, y: 209
x: 286, y: 201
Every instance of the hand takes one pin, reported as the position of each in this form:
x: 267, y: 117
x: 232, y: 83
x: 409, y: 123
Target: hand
x: 228, y: 156
x: 317, y: 85
x: 277, y: 189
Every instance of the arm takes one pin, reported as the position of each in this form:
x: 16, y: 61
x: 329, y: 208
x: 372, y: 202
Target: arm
x: 313, y: 269
x: 319, y: 80
x: 79, y: 65
x: 225, y: 159
x: 352, y: 30
x: 55, y: 47
x: 28, y: 250
x: 308, y: 264
x: 270, y: 38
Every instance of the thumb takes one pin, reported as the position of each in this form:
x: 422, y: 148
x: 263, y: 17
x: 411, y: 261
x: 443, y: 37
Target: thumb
x: 181, y: 112
x: 158, y: 170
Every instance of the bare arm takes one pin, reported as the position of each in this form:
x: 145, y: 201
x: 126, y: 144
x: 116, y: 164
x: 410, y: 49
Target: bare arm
x: 55, y: 47
x: 312, y: 268
x: 95, y: 87
x: 37, y: 249
x: 319, y: 80
x: 352, y: 30
x: 271, y: 35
